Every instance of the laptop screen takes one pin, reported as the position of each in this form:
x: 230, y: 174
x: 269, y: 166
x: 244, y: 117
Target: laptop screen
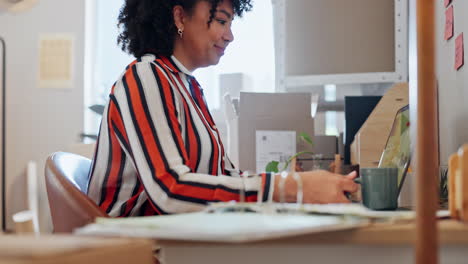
x: 397, y: 151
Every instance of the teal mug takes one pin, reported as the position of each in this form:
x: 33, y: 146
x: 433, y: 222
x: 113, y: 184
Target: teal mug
x: 379, y: 188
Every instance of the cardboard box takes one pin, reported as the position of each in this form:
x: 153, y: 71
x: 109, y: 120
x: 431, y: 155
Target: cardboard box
x: 58, y: 249
x: 327, y: 146
x: 271, y: 111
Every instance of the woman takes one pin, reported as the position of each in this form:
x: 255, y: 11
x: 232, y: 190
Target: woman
x: 159, y: 151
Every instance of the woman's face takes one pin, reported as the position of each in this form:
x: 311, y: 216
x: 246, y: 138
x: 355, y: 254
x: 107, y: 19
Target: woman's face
x: 203, y: 45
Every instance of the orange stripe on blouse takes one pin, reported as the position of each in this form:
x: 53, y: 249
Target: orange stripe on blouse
x: 172, y: 110
x: 115, y: 116
x: 133, y: 200
x: 143, y: 124
x: 214, y: 165
x: 112, y: 186
x: 164, y: 176
x: 192, y: 140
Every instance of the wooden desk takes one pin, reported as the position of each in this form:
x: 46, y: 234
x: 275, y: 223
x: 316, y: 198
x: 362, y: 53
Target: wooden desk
x: 379, y: 243
x: 58, y: 249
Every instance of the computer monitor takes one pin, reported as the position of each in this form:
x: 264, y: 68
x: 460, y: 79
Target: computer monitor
x: 397, y: 151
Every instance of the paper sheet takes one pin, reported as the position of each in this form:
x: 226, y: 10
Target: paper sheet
x: 273, y: 145
x: 222, y: 227
x: 449, y: 23
x: 351, y: 209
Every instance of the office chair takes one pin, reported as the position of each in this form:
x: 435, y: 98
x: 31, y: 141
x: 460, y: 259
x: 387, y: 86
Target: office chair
x: 67, y: 184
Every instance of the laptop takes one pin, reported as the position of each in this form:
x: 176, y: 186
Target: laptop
x: 397, y: 151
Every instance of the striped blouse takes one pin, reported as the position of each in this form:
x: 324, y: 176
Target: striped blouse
x: 159, y: 151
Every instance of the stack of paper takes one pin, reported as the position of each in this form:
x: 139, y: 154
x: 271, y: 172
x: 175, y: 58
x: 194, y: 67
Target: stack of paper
x: 352, y: 209
x: 225, y: 227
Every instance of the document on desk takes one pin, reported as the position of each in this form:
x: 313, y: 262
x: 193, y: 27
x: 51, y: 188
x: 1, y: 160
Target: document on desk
x: 221, y: 227
x: 273, y: 145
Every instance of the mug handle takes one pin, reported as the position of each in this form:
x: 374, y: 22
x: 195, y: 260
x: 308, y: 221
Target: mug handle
x: 347, y: 194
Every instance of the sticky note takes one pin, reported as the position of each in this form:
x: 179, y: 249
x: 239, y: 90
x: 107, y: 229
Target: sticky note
x: 459, y: 53
x: 449, y: 23
x: 447, y: 2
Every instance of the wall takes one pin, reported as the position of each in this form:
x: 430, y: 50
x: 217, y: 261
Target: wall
x: 453, y: 91
x: 39, y: 121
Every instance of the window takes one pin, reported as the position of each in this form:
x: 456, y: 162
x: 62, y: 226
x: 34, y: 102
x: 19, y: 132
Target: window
x: 105, y: 61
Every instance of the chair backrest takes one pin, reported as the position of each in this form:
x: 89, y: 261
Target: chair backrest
x: 67, y: 184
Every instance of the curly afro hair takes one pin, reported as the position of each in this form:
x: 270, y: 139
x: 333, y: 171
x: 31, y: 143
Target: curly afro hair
x: 147, y: 26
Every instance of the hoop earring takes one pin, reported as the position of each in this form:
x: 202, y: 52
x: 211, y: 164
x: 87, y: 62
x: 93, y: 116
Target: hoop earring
x: 180, y: 32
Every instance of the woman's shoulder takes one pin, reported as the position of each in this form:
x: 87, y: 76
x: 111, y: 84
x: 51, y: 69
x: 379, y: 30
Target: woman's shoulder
x: 161, y: 62
x: 143, y: 60
x: 148, y: 65
x: 141, y: 63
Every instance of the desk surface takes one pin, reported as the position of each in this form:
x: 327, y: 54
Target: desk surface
x: 378, y: 243
x: 55, y: 249
x: 450, y: 233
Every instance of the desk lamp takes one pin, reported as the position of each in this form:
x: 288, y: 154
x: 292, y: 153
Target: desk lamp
x: 12, y: 6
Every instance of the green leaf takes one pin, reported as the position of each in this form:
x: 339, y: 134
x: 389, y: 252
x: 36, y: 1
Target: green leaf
x: 306, y: 138
x: 272, y: 166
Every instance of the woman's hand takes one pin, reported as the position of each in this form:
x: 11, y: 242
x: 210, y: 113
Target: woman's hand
x: 318, y: 187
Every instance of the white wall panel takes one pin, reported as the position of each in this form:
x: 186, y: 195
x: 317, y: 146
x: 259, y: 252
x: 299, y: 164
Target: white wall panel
x: 39, y: 121
x: 452, y: 84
